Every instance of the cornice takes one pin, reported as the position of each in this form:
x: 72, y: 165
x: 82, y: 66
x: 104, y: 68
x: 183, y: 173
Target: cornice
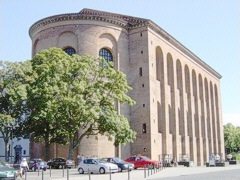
x: 123, y: 21
x: 76, y: 16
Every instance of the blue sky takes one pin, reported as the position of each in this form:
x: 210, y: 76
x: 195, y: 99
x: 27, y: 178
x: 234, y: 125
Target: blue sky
x: 209, y: 28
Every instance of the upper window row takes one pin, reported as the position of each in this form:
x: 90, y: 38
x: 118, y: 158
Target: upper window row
x: 103, y: 53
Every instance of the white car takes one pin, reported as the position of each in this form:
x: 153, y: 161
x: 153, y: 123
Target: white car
x: 92, y: 165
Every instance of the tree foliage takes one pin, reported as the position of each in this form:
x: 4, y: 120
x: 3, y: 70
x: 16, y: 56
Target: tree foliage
x: 12, y: 96
x: 231, y: 136
x: 75, y: 96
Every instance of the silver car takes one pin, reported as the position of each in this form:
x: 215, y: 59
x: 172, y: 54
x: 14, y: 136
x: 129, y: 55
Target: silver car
x: 92, y: 165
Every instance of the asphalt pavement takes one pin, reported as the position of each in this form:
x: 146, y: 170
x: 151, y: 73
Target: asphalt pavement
x: 180, y: 173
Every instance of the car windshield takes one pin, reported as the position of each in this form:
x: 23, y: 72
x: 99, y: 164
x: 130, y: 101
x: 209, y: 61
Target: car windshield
x: 145, y: 158
x: 101, y: 160
x: 118, y: 160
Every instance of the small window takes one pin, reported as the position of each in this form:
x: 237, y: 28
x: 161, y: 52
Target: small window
x: 24, y: 152
x: 142, y: 85
x: 143, y: 105
x: 144, y: 128
x: 132, y: 158
x: 141, y: 52
x: 70, y: 51
x: 141, y: 34
x: 106, y: 54
x: 140, y: 71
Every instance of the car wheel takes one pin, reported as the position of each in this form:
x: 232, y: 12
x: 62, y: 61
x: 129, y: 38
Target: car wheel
x: 120, y: 169
x: 150, y: 166
x: 81, y: 171
x: 102, y: 170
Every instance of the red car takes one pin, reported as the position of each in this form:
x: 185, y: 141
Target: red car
x: 142, y: 161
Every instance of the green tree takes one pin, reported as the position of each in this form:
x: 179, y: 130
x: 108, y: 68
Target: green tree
x: 75, y: 96
x: 12, y: 96
x: 237, y: 141
x: 231, y: 137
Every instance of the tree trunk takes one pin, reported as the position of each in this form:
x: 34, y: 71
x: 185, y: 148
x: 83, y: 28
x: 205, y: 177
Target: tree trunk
x: 71, y: 150
x: 47, y: 150
x: 6, y: 151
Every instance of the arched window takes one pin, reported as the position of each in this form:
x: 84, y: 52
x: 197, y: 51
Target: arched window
x: 70, y: 51
x: 106, y: 54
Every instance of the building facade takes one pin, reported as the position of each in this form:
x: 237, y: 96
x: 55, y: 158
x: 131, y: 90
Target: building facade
x: 19, y: 148
x: 178, y: 108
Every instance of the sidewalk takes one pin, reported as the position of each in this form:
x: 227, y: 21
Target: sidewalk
x: 181, y: 171
x: 134, y: 175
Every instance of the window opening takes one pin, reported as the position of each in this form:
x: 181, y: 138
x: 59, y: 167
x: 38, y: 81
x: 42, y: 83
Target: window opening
x: 144, y: 128
x: 70, y: 51
x: 140, y: 71
x: 106, y: 54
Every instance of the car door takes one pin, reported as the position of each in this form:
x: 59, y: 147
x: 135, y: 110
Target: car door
x: 133, y: 160
x: 141, y: 162
x: 89, y: 165
x: 62, y: 162
x: 95, y: 166
x: 85, y: 165
x: 54, y: 163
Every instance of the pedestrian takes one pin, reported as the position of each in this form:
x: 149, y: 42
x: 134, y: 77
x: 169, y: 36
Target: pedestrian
x: 81, y: 159
x: 23, y: 167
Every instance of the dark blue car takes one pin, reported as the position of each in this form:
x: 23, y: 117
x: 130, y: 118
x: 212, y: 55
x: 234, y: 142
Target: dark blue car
x: 122, y: 165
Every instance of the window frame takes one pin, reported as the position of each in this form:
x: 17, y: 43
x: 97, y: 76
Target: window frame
x: 69, y: 47
x: 106, y: 53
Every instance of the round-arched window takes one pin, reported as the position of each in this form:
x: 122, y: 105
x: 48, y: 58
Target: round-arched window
x: 70, y: 51
x: 106, y: 54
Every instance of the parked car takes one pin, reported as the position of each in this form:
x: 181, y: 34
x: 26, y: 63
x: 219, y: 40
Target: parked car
x: 122, y: 165
x: 60, y: 163
x: 93, y: 165
x: 70, y: 163
x: 35, y: 164
x: 142, y: 161
x: 6, y: 172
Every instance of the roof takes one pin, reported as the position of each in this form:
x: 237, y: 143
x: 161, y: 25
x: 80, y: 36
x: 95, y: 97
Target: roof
x: 130, y: 20
x: 124, y: 21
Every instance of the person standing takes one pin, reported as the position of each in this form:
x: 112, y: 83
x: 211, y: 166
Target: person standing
x: 81, y: 158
